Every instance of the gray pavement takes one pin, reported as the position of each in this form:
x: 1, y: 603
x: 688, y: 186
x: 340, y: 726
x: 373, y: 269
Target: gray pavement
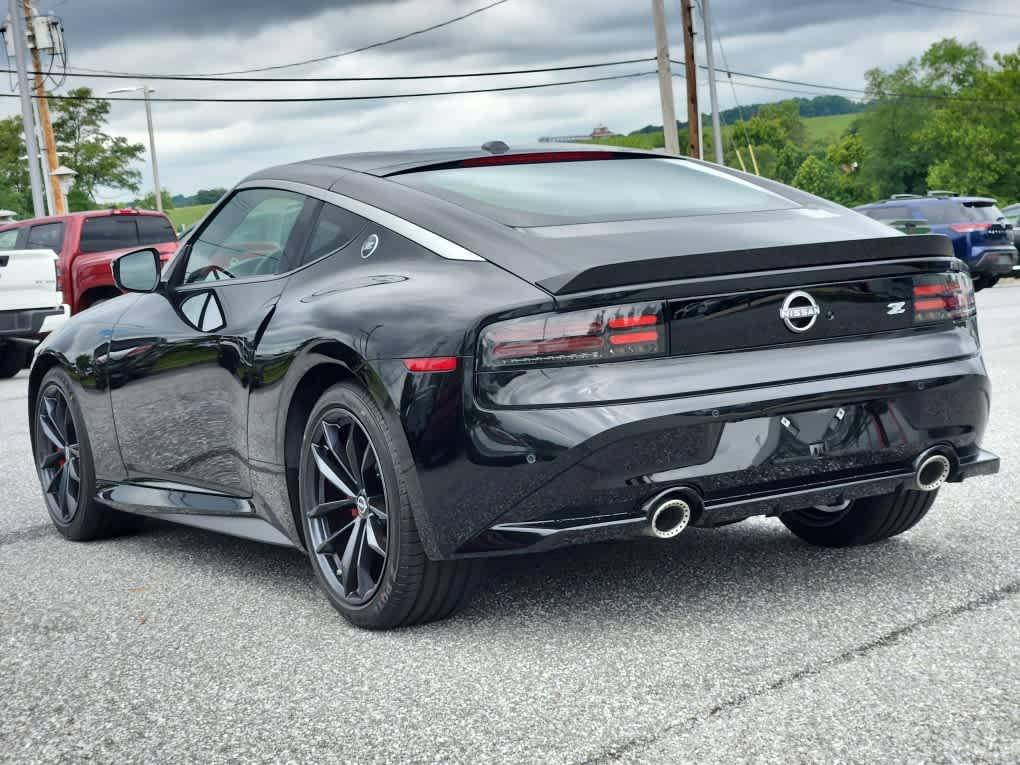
x: 739, y: 644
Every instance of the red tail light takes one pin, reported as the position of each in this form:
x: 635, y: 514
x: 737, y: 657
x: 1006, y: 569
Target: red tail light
x: 600, y: 334
x: 966, y: 228
x: 943, y: 297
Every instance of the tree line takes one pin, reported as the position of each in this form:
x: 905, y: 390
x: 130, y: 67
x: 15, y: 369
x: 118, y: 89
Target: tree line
x: 949, y: 119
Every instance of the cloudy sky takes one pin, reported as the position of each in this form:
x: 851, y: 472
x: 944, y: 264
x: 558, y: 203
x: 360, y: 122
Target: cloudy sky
x: 207, y: 145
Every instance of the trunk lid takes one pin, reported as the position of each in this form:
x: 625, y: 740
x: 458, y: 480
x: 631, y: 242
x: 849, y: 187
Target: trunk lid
x: 28, y: 280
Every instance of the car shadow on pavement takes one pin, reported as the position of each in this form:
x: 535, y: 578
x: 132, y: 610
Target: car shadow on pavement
x: 756, y: 564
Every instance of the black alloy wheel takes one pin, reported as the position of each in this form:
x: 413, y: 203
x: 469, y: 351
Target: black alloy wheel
x: 58, y: 455
x: 357, y: 488
x: 349, y: 521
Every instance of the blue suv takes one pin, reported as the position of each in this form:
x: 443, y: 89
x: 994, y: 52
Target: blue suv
x: 982, y: 236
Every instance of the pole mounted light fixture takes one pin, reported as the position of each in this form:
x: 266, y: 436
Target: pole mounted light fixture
x: 64, y: 176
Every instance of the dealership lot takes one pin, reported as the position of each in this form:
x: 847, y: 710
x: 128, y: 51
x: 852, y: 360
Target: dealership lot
x: 738, y: 643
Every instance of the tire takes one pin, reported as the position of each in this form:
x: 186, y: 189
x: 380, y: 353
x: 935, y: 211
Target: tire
x: 12, y: 360
x: 865, y: 521
x: 68, y: 481
x: 358, y: 524
x: 985, y: 282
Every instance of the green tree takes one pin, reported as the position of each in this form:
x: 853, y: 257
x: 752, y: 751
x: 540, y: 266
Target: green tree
x: 148, y: 202
x: 977, y: 137
x: 100, y: 159
x: 818, y: 177
x: 906, y: 100
x: 15, y: 191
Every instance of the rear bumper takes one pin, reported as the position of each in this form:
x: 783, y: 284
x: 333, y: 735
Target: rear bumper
x: 537, y: 536
x: 995, y: 261
x: 32, y: 323
x: 522, y: 480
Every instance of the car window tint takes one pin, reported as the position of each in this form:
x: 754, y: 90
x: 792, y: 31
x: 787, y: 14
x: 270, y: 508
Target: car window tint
x: 111, y: 232
x: 981, y: 212
x: 542, y: 193
x: 943, y: 212
x: 9, y: 239
x: 46, y: 236
x: 891, y: 212
x: 248, y: 236
x: 154, y: 229
x: 334, y: 229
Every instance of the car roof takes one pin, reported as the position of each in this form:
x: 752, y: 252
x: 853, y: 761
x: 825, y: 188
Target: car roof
x: 82, y: 214
x: 922, y: 200
x: 383, y: 163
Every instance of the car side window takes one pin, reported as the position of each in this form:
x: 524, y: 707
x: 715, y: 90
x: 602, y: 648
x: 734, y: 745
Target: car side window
x: 253, y: 234
x: 334, y: 229
x: 9, y: 239
x: 46, y: 236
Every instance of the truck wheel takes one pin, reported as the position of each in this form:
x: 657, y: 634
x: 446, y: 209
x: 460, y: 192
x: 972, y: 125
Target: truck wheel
x: 12, y: 360
x: 862, y: 522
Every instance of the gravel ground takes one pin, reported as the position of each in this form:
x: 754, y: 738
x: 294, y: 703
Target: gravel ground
x: 739, y: 644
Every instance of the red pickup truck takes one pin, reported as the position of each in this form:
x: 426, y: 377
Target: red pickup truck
x: 86, y: 243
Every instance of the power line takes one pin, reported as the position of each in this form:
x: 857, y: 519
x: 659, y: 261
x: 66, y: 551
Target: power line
x: 968, y: 11
x: 322, y: 99
x: 372, y: 78
x: 329, y: 57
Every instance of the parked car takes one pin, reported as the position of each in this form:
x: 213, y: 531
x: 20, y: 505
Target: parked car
x: 1012, y: 214
x: 31, y: 305
x: 87, y: 243
x: 403, y: 363
x: 982, y: 237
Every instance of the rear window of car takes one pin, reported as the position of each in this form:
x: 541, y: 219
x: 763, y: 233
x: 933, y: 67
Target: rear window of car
x: 981, y: 212
x: 546, y: 193
x: 943, y: 212
x: 117, y: 232
x: 892, y: 212
x: 46, y: 236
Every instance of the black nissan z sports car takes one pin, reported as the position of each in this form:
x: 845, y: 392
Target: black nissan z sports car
x: 404, y: 363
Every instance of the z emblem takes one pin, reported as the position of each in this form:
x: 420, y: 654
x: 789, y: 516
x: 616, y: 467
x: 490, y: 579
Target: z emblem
x: 896, y: 308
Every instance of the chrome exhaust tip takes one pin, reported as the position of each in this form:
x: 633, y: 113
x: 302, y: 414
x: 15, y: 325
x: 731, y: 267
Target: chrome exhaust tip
x: 932, y: 471
x: 670, y: 512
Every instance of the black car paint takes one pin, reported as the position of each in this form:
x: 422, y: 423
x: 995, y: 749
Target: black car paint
x: 201, y: 425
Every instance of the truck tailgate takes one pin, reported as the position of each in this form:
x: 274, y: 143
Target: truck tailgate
x: 28, y: 280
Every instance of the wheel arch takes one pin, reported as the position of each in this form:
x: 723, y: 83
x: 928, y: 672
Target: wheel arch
x: 40, y: 367
x: 322, y: 366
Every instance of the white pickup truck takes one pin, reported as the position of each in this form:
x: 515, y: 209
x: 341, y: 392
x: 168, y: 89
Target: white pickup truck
x: 31, y: 305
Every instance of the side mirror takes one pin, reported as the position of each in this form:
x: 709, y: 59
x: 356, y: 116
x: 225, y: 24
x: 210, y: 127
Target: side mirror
x: 137, y: 271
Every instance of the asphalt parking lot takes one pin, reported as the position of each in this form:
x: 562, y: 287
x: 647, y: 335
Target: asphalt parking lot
x: 739, y: 644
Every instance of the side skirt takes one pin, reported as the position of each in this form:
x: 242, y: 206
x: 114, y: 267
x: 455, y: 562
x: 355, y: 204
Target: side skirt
x: 205, y: 510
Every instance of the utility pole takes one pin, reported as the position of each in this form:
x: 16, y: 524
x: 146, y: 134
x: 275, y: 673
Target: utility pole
x: 59, y: 208
x: 27, y: 118
x: 709, y: 59
x: 691, y: 74
x: 47, y: 178
x: 665, y: 79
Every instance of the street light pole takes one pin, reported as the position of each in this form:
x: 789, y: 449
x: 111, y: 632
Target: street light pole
x: 152, y: 149
x: 706, y: 16
x: 27, y: 116
x: 146, y: 90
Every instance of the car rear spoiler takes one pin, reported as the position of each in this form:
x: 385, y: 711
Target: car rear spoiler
x: 730, y: 262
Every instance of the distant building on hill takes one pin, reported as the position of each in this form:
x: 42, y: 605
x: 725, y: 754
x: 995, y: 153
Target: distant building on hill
x: 601, y: 131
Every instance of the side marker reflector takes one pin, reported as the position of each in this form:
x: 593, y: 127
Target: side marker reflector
x: 432, y: 364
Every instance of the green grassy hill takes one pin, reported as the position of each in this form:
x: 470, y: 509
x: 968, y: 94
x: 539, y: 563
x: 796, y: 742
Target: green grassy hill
x: 186, y: 216
x: 819, y: 130
x: 828, y: 129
